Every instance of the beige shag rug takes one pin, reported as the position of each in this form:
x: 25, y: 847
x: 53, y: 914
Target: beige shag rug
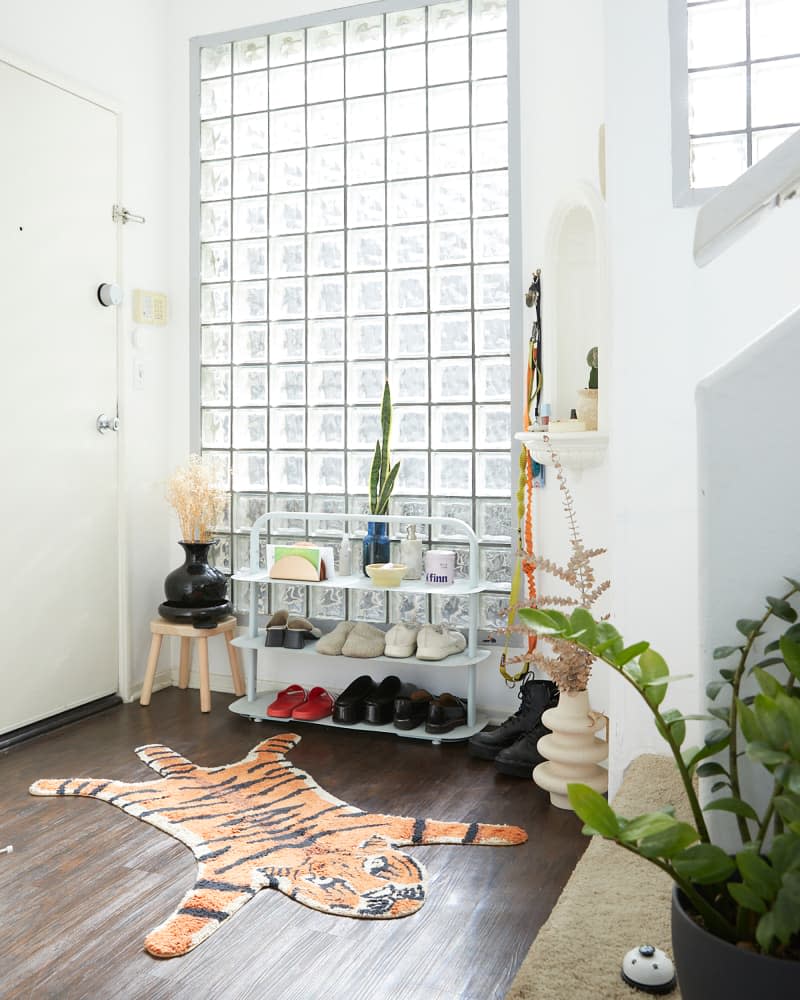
x: 612, y: 902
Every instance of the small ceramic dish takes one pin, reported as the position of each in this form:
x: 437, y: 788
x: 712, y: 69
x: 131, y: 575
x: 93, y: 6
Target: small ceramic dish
x: 386, y: 574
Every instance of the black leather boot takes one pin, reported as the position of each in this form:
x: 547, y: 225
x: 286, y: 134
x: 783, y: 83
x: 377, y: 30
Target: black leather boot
x: 522, y: 757
x: 535, y: 697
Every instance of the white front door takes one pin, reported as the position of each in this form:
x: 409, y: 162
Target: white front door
x: 58, y: 371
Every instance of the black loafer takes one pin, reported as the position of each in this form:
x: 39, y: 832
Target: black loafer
x: 380, y: 705
x: 411, y: 710
x: 445, y: 713
x: 350, y: 706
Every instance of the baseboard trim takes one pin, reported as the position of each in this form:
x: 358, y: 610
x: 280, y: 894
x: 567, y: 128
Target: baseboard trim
x: 43, y: 726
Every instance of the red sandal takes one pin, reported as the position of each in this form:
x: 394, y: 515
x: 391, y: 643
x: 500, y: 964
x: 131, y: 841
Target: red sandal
x: 318, y: 705
x: 286, y: 701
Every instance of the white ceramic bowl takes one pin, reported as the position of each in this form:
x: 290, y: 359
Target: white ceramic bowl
x: 386, y: 574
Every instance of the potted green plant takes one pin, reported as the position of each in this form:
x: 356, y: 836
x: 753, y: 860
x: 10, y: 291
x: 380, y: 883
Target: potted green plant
x: 736, y: 914
x: 382, y: 478
x: 587, y: 398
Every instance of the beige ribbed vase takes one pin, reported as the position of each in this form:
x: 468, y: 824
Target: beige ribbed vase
x: 572, y: 750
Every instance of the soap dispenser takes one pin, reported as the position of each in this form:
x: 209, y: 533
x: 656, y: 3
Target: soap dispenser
x: 411, y: 554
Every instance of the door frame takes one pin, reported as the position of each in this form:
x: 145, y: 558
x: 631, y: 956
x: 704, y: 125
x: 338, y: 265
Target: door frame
x: 86, y: 93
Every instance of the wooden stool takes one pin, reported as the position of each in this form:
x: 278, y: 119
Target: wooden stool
x: 161, y: 627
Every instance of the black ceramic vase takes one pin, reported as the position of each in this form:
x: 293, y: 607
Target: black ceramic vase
x: 196, y: 592
x: 375, y: 545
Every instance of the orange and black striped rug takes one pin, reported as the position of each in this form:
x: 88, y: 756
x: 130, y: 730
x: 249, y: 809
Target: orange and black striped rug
x: 264, y: 823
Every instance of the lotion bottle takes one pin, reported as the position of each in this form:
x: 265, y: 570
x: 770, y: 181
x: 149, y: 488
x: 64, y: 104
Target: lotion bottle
x: 345, y: 556
x: 411, y: 554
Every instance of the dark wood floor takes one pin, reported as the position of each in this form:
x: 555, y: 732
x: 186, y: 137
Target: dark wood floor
x: 86, y: 882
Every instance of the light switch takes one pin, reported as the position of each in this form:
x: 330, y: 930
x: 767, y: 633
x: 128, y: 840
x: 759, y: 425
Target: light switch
x: 149, y: 308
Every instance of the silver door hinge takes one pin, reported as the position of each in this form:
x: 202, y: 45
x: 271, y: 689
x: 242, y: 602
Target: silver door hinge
x: 121, y: 214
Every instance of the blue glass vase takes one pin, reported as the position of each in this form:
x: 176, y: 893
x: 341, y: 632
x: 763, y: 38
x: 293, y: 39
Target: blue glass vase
x: 375, y: 545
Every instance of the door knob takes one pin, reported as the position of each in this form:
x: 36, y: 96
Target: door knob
x: 109, y: 295
x: 105, y: 423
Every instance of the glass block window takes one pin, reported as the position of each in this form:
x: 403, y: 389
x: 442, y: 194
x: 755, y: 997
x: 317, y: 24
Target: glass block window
x: 354, y: 227
x: 744, y: 84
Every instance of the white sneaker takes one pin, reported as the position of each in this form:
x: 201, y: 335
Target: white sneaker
x: 435, y: 642
x: 401, y: 639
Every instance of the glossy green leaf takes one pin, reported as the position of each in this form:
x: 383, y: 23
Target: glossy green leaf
x: 719, y: 785
x: 676, y: 723
x: 766, y: 755
x: 772, y: 721
x: 784, y: 853
x: 723, y: 652
x: 732, y: 805
x: 713, y: 688
x: 782, y: 609
x: 668, y: 842
x: 631, y: 652
x: 786, y: 910
x: 717, y: 736
x: 745, y: 897
x: 748, y: 722
x: 748, y: 627
x: 793, y: 583
x: 593, y: 809
x: 654, y: 668
x: 722, y: 712
x: 790, y: 650
x: 710, y: 769
x: 582, y: 625
x: 540, y: 621
x: 788, y: 807
x: 758, y: 875
x: 645, y: 826
x: 693, y: 755
x: 768, y: 684
x: 704, y: 864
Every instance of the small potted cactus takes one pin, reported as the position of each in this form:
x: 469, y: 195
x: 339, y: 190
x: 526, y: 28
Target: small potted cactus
x: 587, y: 398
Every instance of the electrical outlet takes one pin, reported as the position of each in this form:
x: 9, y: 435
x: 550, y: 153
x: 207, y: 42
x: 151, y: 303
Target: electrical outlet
x: 149, y: 308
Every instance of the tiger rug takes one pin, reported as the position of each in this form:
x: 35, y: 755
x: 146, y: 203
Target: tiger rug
x: 264, y: 823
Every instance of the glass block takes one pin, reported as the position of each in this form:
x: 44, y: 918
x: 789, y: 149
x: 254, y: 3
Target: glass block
x: 326, y: 340
x: 408, y: 291
x: 215, y: 345
x: 215, y: 428
x: 366, y: 338
x: 492, y: 611
x: 215, y: 139
x: 775, y: 92
x: 287, y: 129
x: 449, y: 197
x: 249, y: 218
x: 408, y: 607
x: 250, y: 429
x: 718, y: 100
x: 325, y: 210
x: 494, y: 519
x: 452, y: 474
x: 493, y: 474
x: 220, y: 554
x: 215, y: 304
x: 488, y: 15
x: 287, y: 171
x: 492, y: 380
x: 717, y: 160
x: 291, y: 596
x: 717, y: 34
x: 462, y: 560
x: 448, y: 61
x: 491, y: 286
x: 249, y: 343
x: 409, y: 381
x: 406, y: 112
x: 287, y: 342
x: 327, y: 505
x: 410, y: 507
x: 490, y: 147
x: 405, y: 27
x: 764, y: 142
x: 451, y: 334
x: 250, y: 93
x: 215, y: 180
x: 365, y: 161
x: 249, y: 259
x: 451, y: 380
x: 249, y: 471
x: 247, y: 509
x: 215, y: 98
x: 287, y: 525
x: 493, y: 427
x: 358, y: 505
x: 286, y: 256
x: 325, y: 41
x: 364, y: 33
x: 249, y: 301
x: 287, y: 214
x: 489, y: 101
x: 325, y: 471
x: 406, y: 156
x: 366, y: 249
x: 287, y: 427
x: 358, y: 466
x: 408, y: 247
x: 490, y: 240
x: 287, y: 471
x: 368, y: 606
x: 215, y: 386
x: 407, y: 201
x: 449, y: 19
x: 287, y: 86
x: 325, y: 123
x: 448, y: 107
x: 241, y: 591
x: 219, y: 463
x: 408, y: 336
x: 325, y: 80
x: 450, y: 243
x: 450, y: 288
x: 365, y: 380
x: 492, y: 333
x: 215, y: 60
x: 365, y: 118
x: 287, y: 47
x: 325, y: 253
x: 326, y: 296
x: 774, y: 28
x: 489, y: 55
x: 326, y: 384
x: 406, y: 68
x: 328, y: 603
x: 250, y: 54
x: 451, y: 427
x: 287, y: 385
x: 412, y: 479
x: 490, y: 193
x: 326, y: 429
x: 366, y: 205
x: 250, y: 386
x: 364, y: 74
x: 215, y: 262
x: 363, y: 426
x: 326, y: 167
x: 409, y: 426
x: 449, y: 152
x: 450, y: 610
x: 461, y: 509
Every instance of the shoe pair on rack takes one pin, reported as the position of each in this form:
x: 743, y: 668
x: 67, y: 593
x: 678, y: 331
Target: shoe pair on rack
x: 291, y: 633
x: 404, y: 704
x: 512, y: 745
x: 294, y: 702
x: 440, y: 714
x: 426, y: 642
x: 356, y: 639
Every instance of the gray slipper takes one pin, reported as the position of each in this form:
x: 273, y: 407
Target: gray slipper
x: 331, y: 644
x: 364, y: 641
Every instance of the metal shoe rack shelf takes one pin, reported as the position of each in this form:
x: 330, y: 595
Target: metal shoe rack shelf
x: 254, y: 704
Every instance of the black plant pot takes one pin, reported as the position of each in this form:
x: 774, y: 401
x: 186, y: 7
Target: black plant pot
x: 709, y: 968
x: 196, y: 592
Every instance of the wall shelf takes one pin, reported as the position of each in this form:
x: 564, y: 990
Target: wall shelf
x: 576, y: 450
